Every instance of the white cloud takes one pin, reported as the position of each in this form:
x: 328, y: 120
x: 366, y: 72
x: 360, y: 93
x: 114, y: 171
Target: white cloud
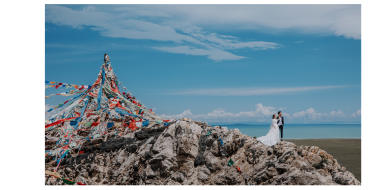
x: 337, y: 113
x: 260, y: 45
x: 186, y: 113
x: 134, y: 22
x: 335, y: 19
x: 299, y: 42
x: 342, y: 20
x: 312, y: 114
x: 213, y: 53
x: 308, y: 113
x: 187, y: 26
x: 262, y: 113
x: 265, y: 110
x: 251, y: 91
x: 357, y: 113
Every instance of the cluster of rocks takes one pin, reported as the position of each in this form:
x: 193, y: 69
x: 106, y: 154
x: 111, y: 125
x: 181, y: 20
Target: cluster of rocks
x: 189, y: 152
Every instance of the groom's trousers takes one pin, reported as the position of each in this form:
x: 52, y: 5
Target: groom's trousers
x: 281, y: 127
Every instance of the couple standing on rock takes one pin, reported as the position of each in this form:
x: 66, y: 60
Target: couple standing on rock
x: 276, y: 129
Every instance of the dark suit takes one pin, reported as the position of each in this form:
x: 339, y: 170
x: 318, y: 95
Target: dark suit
x: 280, y: 123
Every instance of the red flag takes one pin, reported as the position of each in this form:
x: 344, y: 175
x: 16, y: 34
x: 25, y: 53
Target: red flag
x: 57, y: 86
x: 59, y: 121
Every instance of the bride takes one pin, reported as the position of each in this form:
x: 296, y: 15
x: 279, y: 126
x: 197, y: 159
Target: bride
x: 273, y: 135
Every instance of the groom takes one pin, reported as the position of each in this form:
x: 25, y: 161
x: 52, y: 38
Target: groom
x: 280, y: 123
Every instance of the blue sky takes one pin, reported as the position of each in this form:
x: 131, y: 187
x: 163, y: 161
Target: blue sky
x: 217, y: 63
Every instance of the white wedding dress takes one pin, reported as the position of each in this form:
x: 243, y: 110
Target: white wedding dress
x: 273, y: 135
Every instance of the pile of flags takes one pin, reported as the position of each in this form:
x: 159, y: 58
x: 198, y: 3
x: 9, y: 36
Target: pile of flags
x: 95, y: 111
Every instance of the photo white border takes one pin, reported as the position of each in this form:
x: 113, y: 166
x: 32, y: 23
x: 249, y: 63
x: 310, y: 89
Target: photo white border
x: 22, y: 39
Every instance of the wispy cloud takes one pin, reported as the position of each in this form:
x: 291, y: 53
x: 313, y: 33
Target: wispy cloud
x: 251, y: 91
x: 312, y: 114
x: 212, y: 53
x: 133, y: 22
x: 340, y: 20
x: 299, y: 42
x: 189, y: 27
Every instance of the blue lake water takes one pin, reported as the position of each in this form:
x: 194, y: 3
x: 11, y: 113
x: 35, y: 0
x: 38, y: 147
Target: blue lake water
x: 303, y: 131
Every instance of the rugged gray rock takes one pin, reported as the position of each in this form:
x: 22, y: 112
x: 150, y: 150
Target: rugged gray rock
x: 189, y: 152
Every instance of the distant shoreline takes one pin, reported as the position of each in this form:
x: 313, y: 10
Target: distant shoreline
x: 306, y: 131
x: 332, y: 138
x: 231, y: 124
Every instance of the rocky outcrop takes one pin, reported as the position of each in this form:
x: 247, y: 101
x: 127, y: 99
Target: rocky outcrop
x: 189, y: 152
